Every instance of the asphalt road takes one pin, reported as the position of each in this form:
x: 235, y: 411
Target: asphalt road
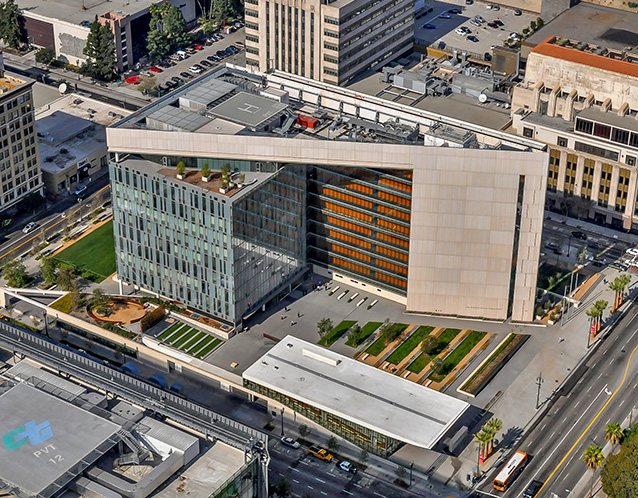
x: 312, y: 477
x: 601, y: 391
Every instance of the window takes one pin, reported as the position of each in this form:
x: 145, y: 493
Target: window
x: 331, y: 34
x: 630, y: 160
x: 331, y: 59
x: 252, y: 13
x: 562, y: 142
x: 620, y: 136
x: 602, y: 130
x: 252, y: 38
x: 331, y: 20
x: 584, y: 126
x: 596, y: 151
x: 252, y: 50
x: 528, y: 132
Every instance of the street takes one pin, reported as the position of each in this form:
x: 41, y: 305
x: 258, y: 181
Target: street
x: 601, y: 391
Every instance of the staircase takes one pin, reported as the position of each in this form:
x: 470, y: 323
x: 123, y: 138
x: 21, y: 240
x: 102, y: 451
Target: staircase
x: 139, y: 453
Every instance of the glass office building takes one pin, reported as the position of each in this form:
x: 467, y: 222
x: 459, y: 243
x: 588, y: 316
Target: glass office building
x: 220, y: 254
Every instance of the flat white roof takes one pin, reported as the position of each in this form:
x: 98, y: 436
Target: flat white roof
x: 356, y: 392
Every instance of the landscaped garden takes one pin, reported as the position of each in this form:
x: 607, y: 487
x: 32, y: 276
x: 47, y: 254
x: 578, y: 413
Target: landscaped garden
x: 492, y: 365
x: 189, y: 340
x: 364, y: 332
x: 389, y: 334
x: 336, y: 333
x: 94, y: 254
x: 455, y: 357
x: 409, y: 344
x: 431, y: 348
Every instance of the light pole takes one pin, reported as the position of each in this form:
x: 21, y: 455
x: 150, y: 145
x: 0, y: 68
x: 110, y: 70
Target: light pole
x: 411, y: 465
x: 539, y: 383
x: 46, y: 323
x: 282, y: 422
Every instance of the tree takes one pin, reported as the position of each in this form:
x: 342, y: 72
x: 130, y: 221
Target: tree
x: 283, y: 488
x: 594, y: 314
x: 581, y: 255
x: 324, y: 326
x: 429, y: 345
x: 48, y: 267
x: 619, y: 475
x: 77, y: 298
x: 180, y: 168
x: 45, y: 55
x: 11, y: 24
x: 100, y: 52
x: 593, y: 457
x: 208, y: 26
x: 437, y: 365
x: 482, y: 439
x: 601, y: 305
x: 493, y: 425
x: 333, y: 444
x: 354, y: 333
x: 66, y: 277
x: 363, y: 456
x: 99, y: 297
x: 618, y: 285
x: 613, y: 433
x: 205, y: 170
x: 15, y: 273
x: 167, y: 30
x: 304, y: 431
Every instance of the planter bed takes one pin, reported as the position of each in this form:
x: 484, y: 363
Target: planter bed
x: 335, y: 334
x: 456, y: 356
x: 409, y: 344
x: 419, y: 364
x: 366, y: 331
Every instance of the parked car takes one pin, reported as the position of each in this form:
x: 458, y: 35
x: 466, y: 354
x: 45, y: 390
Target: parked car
x: 593, y: 245
x: 499, y: 23
x: 513, y: 36
x: 445, y: 15
x: 30, y: 227
x: 205, y: 63
x: 473, y: 38
x: 476, y: 22
x: 469, y: 2
x: 155, y: 69
x: 213, y: 58
x: 177, y: 79
x: 493, y: 7
x: 517, y: 12
x: 80, y: 189
x: 196, y: 69
x: 454, y: 11
x: 347, y: 466
x: 479, y: 18
x: 577, y: 234
x: 134, y: 80
x: 487, y: 56
x: 460, y: 32
x: 185, y: 75
x: 287, y: 441
x: 429, y: 26
x: 198, y: 47
x: 492, y: 24
x: 190, y: 51
x: 169, y: 85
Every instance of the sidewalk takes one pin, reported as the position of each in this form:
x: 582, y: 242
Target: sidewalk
x: 592, y: 227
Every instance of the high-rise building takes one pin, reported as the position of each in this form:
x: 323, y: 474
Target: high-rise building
x: 329, y: 41
x: 19, y: 157
x: 581, y: 99
x: 354, y: 188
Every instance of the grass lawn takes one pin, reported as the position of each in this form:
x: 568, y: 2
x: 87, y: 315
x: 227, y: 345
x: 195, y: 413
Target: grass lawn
x: 185, y: 338
x: 64, y: 304
x: 376, y: 347
x: 205, y: 342
x: 409, y: 344
x: 366, y: 331
x: 208, y: 348
x: 94, y: 253
x: 419, y: 364
x: 335, y: 334
x: 198, y: 337
x: 170, y: 330
x: 460, y: 352
x: 444, y: 339
x: 178, y: 335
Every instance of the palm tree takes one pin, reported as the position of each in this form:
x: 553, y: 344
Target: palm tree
x: 622, y: 282
x: 615, y: 285
x: 494, y: 425
x: 601, y: 305
x: 593, y: 457
x: 594, y: 314
x: 481, y: 438
x: 613, y: 433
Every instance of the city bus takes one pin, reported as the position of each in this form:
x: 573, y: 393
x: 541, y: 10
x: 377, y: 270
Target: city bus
x: 511, y: 470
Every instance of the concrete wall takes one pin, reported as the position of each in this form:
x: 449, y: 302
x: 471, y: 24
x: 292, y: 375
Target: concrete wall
x: 464, y: 210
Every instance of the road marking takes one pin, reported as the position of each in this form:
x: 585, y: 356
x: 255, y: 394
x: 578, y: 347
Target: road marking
x: 346, y: 491
x: 54, y: 225
x: 624, y: 377
x: 295, y: 480
x: 324, y: 493
x: 357, y: 485
x: 543, y: 428
x: 621, y: 403
x: 296, y: 470
x: 304, y: 463
x: 574, y: 407
x: 310, y: 486
x: 281, y: 474
x: 612, y: 360
x: 564, y: 437
x: 322, y: 482
x: 382, y: 496
x: 589, y: 388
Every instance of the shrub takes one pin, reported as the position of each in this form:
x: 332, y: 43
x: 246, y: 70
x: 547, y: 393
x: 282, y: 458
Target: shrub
x: 539, y: 311
x: 180, y: 168
x: 205, y: 169
x: 153, y: 318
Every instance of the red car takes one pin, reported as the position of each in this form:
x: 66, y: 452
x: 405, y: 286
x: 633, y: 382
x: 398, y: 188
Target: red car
x: 198, y: 47
x: 133, y: 79
x: 155, y: 69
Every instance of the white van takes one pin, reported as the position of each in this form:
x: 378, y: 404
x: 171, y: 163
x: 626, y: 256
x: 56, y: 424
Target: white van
x: 181, y: 54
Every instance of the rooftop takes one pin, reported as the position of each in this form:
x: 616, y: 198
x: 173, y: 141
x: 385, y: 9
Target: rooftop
x: 9, y: 82
x: 81, y: 12
x: 583, y: 53
x: 591, y: 23
x: 45, y: 439
x: 233, y: 101
x: 356, y: 392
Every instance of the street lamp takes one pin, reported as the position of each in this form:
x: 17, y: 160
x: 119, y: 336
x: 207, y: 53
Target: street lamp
x: 46, y: 323
x: 411, y: 465
x: 539, y: 383
x: 282, y: 422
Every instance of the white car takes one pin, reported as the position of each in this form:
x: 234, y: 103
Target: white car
x: 513, y: 36
x: 460, y: 32
x: 80, y: 190
x: 30, y: 227
x: 288, y: 441
x: 194, y: 69
x: 633, y: 251
x: 348, y: 467
x: 475, y: 22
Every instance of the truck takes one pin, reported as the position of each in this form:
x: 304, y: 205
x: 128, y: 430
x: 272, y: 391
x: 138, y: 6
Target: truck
x: 320, y: 453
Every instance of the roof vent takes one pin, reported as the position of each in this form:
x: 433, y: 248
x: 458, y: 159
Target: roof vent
x: 319, y: 357
x: 289, y: 345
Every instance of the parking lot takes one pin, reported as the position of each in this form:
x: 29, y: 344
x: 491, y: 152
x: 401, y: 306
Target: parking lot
x: 236, y: 38
x: 443, y: 30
